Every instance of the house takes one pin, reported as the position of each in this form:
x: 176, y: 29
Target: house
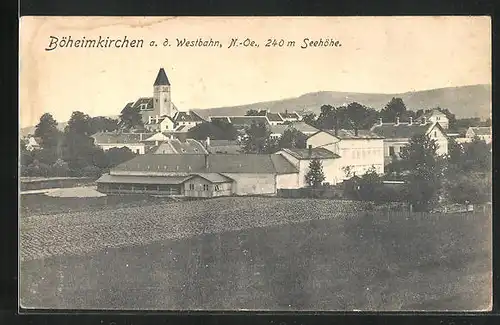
x: 159, y: 113
x: 359, y: 151
x: 398, y: 134
x: 278, y: 130
x: 199, y: 175
x: 241, y: 122
x: 33, y: 143
x: 274, y: 118
x: 133, y: 141
x: 222, y: 146
x: 482, y: 132
x: 434, y: 116
x: 301, y: 158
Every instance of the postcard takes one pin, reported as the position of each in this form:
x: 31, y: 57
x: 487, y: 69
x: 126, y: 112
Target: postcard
x: 255, y: 163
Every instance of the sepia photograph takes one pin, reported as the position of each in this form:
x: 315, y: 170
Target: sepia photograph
x: 255, y: 163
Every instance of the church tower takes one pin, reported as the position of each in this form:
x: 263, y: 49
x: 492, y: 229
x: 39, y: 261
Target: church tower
x: 162, y: 101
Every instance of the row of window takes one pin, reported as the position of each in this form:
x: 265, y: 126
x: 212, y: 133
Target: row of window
x: 174, y: 189
x: 206, y: 187
x: 364, y: 153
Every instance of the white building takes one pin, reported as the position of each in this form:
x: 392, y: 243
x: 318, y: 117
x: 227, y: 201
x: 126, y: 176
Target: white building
x: 483, y: 133
x: 159, y: 113
x: 434, y: 116
x: 398, y: 135
x: 133, y: 141
x: 301, y: 158
x: 358, y: 152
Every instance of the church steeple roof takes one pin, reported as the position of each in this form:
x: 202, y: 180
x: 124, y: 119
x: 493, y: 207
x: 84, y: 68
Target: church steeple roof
x: 161, y: 78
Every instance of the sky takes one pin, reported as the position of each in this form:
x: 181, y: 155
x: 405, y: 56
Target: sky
x: 377, y: 55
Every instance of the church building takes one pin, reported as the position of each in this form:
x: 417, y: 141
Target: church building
x: 159, y: 113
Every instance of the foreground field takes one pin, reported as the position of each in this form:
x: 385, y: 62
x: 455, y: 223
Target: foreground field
x: 256, y: 253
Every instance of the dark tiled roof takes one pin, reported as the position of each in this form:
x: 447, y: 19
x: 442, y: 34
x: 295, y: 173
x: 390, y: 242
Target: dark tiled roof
x: 219, y: 119
x: 289, y: 115
x: 214, y: 177
x: 129, y: 105
x: 316, y: 153
x: 282, y: 165
x: 248, y: 120
x: 401, y: 131
x: 274, y: 117
x: 106, y: 178
x: 112, y: 137
x: 217, y: 163
x: 144, y: 100
x: 187, y: 117
x: 351, y: 135
x: 481, y: 130
x: 161, y: 78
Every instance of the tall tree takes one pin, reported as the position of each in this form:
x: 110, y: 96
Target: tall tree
x: 425, y: 171
x: 292, y: 138
x: 79, y: 149
x: 258, y: 139
x: 357, y: 115
x: 310, y: 119
x: 395, y: 108
x: 130, y: 118
x: 102, y: 124
x: 315, y: 175
x: 47, y: 130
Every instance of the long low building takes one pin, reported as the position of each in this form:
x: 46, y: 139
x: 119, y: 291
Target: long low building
x: 207, y: 175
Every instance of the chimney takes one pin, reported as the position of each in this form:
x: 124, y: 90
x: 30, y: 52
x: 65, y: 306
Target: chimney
x: 310, y: 150
x: 140, y: 136
x: 397, y: 121
x: 424, y: 120
x: 206, y: 161
x: 380, y: 121
x: 208, y: 142
x: 411, y: 121
x: 156, y: 142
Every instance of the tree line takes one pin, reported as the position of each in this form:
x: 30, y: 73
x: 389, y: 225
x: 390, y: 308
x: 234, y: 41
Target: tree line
x: 71, y: 152
x: 463, y: 176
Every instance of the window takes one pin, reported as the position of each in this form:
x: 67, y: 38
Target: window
x: 391, y: 151
x: 435, y: 134
x: 217, y: 187
x: 205, y: 187
x: 191, y: 187
x: 137, y: 151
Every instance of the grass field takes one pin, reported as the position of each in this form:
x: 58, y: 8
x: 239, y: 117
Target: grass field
x: 258, y: 253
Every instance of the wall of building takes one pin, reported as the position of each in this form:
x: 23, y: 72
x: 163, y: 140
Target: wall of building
x: 136, y: 148
x: 441, y: 140
x: 162, y: 101
x: 200, y: 187
x: 163, y: 189
x: 360, y: 155
x: 248, y: 184
x: 324, y: 140
x: 287, y: 181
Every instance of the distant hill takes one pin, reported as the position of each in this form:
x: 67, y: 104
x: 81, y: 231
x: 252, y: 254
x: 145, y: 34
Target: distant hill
x: 465, y: 101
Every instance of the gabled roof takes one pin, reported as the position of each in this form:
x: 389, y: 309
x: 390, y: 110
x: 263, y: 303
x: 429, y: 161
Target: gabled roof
x: 144, y: 100
x: 316, y: 153
x: 282, y: 165
x: 161, y: 78
x: 156, y: 137
x: 171, y: 180
x: 403, y: 130
x: 219, y: 119
x: 247, y: 120
x: 214, y: 177
x: 187, y: 117
x: 274, y: 117
x: 351, y: 135
x: 481, y: 130
x: 114, y: 137
x: 217, y: 163
x: 128, y: 105
x: 287, y: 115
